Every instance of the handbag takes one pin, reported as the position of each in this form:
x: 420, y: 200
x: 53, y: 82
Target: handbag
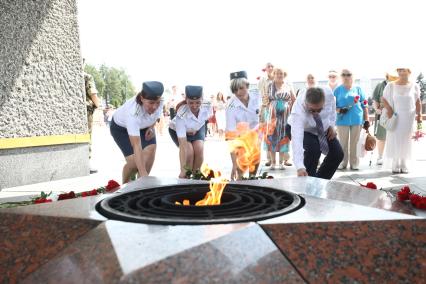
x: 388, y: 123
x: 370, y: 142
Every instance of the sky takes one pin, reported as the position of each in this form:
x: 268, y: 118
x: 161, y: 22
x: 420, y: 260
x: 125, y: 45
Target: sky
x: 199, y: 42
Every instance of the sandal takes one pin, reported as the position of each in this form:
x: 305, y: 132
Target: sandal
x: 288, y: 164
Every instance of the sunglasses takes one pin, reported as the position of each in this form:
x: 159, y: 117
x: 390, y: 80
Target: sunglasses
x: 346, y: 74
x: 310, y: 110
x: 332, y: 76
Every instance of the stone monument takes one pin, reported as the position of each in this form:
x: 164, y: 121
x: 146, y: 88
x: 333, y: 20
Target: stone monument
x: 43, y: 124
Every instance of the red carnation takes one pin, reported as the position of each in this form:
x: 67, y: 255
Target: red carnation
x: 404, y: 194
x: 356, y: 99
x: 112, y: 184
x: 365, y: 102
x: 421, y: 204
x: 415, y: 199
x: 258, y: 78
x: 370, y: 185
x: 93, y: 192
x: 42, y: 200
x: 68, y: 195
x: 84, y: 194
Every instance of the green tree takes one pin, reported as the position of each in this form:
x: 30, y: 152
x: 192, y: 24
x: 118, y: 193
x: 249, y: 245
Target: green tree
x: 97, y: 77
x: 422, y: 83
x: 113, y: 84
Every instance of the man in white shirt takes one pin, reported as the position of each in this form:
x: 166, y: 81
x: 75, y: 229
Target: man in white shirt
x: 312, y: 123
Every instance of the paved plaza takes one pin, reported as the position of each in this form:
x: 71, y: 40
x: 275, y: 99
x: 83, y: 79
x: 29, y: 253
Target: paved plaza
x: 109, y: 161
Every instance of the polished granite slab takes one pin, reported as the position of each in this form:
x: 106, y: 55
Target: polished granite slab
x: 28, y: 241
x: 93, y: 249
x: 391, y: 251
x: 210, y: 254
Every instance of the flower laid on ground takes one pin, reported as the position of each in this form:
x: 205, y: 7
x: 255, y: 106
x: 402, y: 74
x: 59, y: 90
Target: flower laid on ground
x: 402, y: 195
x: 49, y: 197
x: 197, y: 175
x: 416, y: 200
x: 370, y: 185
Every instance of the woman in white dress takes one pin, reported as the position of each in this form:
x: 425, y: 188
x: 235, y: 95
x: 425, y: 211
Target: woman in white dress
x: 403, y: 98
x: 220, y: 107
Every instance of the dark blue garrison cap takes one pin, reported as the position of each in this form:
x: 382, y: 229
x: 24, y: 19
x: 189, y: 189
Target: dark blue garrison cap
x: 239, y: 74
x: 193, y: 92
x: 152, y: 90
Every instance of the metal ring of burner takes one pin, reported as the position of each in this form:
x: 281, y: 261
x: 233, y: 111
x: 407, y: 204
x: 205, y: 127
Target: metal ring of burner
x: 155, y: 205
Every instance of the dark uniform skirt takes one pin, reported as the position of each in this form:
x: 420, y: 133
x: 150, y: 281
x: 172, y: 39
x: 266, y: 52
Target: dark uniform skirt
x: 121, y: 137
x: 199, y: 135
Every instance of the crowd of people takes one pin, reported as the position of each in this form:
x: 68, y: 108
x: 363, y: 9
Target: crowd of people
x: 300, y: 125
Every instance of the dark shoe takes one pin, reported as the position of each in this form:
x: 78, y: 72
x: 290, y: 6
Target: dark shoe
x: 268, y: 163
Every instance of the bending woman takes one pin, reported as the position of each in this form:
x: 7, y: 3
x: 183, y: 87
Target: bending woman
x: 188, y: 129
x: 243, y: 107
x: 132, y: 127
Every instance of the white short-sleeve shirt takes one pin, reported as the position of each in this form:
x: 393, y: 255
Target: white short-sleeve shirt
x: 237, y: 112
x: 133, y: 117
x: 185, y: 121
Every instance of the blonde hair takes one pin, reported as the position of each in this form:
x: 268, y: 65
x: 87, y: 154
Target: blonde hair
x: 278, y: 69
x: 238, y: 84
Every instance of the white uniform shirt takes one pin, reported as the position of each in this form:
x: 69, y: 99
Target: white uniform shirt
x: 185, y: 121
x: 301, y: 120
x: 237, y: 112
x: 133, y: 117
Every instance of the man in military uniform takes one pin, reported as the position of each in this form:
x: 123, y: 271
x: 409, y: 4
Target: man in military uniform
x: 92, y: 102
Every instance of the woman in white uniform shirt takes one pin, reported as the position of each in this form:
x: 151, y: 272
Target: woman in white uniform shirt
x: 188, y: 129
x: 132, y: 128
x: 243, y: 107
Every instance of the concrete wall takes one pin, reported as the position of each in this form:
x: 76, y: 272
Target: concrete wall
x: 41, y: 85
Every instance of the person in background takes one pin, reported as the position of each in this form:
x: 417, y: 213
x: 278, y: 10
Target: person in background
x: 92, y: 103
x: 220, y: 107
x: 132, y: 127
x: 211, y: 121
x: 187, y: 129
x: 310, y: 83
x: 263, y: 87
x: 401, y: 97
x: 352, y: 115
x: 281, y: 98
x: 380, y: 131
x: 173, y: 101
x: 332, y: 80
x: 312, y: 121
x: 243, y: 107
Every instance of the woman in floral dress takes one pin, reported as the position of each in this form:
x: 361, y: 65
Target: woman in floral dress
x: 281, y: 98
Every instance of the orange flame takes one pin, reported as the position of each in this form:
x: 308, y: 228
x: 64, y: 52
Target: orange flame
x: 246, y: 146
x: 217, y: 185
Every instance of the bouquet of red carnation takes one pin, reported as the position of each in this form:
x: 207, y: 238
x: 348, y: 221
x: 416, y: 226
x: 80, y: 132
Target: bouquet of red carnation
x: 418, y: 133
x: 346, y: 109
x: 416, y: 200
